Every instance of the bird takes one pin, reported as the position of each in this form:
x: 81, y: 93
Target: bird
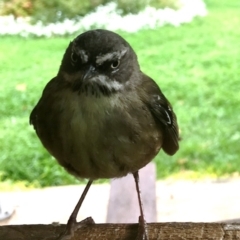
x: 102, y: 117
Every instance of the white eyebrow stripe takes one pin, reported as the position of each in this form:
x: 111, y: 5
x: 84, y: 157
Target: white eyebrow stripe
x: 110, y: 56
x: 84, y: 56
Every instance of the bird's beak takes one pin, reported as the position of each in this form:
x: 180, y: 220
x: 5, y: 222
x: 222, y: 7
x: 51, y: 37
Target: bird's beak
x: 89, y: 73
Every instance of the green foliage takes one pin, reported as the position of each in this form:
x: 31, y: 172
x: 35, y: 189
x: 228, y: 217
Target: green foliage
x: 174, y: 4
x: 18, y: 8
x: 49, y: 11
x: 129, y: 6
x: 58, y: 10
x: 196, y: 65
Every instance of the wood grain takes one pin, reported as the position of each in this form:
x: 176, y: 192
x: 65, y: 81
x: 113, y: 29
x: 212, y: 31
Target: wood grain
x: 161, y: 231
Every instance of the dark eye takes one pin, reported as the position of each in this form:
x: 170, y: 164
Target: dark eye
x: 74, y: 57
x: 115, y: 64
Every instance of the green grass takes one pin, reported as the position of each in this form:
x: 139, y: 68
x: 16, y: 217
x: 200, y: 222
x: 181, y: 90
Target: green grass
x: 196, y: 65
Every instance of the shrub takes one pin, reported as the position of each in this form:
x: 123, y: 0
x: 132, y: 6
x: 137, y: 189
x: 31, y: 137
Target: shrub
x: 17, y: 8
x: 129, y: 6
x: 175, y: 4
x: 49, y: 11
x: 58, y: 10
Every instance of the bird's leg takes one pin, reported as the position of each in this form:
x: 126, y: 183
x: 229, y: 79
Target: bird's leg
x: 72, y: 224
x: 142, y: 230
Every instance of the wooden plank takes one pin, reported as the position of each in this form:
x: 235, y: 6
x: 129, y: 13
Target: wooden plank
x: 236, y: 220
x: 163, y: 231
x: 123, y: 203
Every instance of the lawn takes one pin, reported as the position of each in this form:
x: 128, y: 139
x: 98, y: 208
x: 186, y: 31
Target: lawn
x: 196, y: 65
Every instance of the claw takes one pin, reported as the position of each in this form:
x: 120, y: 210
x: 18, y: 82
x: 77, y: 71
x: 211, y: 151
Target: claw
x: 142, y: 229
x: 72, y: 224
x: 72, y: 227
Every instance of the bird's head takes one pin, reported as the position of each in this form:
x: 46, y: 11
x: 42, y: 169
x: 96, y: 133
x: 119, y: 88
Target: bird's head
x: 98, y: 62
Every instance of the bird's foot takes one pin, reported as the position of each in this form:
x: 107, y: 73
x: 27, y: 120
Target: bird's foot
x: 73, y: 226
x: 142, y: 230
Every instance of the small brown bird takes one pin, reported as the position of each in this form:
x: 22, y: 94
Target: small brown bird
x: 101, y: 117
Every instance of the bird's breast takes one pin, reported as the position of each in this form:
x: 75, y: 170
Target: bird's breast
x: 100, y: 137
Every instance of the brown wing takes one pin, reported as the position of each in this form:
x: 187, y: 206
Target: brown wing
x: 163, y: 113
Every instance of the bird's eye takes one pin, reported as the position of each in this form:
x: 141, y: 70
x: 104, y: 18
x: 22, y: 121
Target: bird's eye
x: 115, y: 64
x: 74, y: 57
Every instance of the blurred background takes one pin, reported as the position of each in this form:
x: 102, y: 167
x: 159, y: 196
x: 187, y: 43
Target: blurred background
x: 190, y: 48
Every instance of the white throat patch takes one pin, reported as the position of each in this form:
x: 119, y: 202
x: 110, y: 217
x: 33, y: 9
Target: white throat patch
x: 111, y: 85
